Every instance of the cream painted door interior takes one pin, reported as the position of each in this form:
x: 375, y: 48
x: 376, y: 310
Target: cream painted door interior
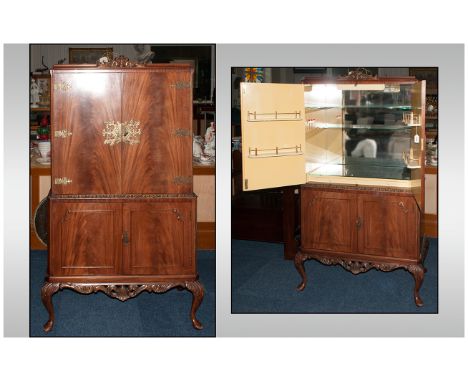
x: 273, y: 135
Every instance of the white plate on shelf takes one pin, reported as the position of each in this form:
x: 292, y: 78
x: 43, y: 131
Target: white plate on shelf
x: 43, y: 160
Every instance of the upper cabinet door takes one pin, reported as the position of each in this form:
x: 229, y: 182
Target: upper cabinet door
x: 273, y: 135
x: 85, y: 160
x: 157, y: 138
x: 418, y: 142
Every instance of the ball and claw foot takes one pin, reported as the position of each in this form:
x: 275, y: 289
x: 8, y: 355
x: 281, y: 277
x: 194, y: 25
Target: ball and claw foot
x: 299, y: 264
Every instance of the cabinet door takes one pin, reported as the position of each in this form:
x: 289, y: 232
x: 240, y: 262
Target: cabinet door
x: 159, y: 159
x: 419, y: 148
x: 273, y: 135
x: 328, y: 220
x: 82, y: 161
x: 390, y: 226
x: 85, y: 238
x: 159, y: 238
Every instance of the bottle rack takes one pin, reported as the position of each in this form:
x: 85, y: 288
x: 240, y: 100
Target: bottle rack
x: 253, y: 116
x: 276, y: 152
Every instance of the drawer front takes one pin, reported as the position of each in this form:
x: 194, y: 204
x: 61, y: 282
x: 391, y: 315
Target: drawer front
x: 85, y: 238
x: 159, y: 238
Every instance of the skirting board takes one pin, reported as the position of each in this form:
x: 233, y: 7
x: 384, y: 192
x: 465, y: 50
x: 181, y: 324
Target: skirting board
x: 206, y: 235
x: 430, y: 225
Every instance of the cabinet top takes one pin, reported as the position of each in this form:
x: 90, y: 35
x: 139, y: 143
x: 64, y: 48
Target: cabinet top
x: 351, y: 80
x: 134, y: 67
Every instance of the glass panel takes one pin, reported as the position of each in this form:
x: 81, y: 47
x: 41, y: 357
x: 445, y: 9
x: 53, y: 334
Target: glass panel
x: 363, y: 130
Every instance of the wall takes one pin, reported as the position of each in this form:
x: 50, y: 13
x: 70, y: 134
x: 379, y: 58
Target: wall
x: 54, y: 52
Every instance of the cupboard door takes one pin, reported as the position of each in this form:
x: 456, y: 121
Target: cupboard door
x: 87, y: 238
x: 273, y: 135
x: 418, y: 147
x: 83, y: 162
x: 159, y: 238
x: 159, y: 159
x: 390, y: 226
x: 328, y: 220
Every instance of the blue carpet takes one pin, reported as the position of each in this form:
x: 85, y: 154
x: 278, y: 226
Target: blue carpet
x: 263, y: 282
x: 148, y: 314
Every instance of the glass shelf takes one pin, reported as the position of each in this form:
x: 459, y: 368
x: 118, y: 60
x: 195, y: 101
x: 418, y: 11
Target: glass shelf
x: 363, y: 167
x: 340, y: 106
x: 368, y: 127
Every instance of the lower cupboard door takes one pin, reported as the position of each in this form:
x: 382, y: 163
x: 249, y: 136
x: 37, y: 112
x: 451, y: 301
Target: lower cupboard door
x: 159, y: 238
x: 85, y: 238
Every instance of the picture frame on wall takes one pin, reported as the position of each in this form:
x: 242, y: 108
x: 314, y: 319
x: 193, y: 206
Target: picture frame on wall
x: 86, y: 55
x: 430, y: 75
x: 43, y: 81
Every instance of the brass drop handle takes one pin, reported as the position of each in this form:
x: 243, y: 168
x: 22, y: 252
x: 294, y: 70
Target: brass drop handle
x: 177, y: 213
x: 403, y: 207
x: 125, y: 238
x: 359, y: 222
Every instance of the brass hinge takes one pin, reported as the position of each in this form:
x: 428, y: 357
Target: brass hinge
x: 63, y: 86
x: 182, y: 180
x: 63, y: 181
x: 183, y: 133
x: 246, y: 184
x: 181, y: 85
x: 62, y: 134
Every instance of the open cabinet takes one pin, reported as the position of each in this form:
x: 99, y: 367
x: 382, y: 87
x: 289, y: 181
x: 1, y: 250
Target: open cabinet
x: 356, y: 147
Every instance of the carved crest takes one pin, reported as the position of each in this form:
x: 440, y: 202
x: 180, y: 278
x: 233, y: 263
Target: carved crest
x: 108, y: 61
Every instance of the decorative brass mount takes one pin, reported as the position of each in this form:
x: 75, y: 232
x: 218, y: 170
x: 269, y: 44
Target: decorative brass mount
x: 126, y: 132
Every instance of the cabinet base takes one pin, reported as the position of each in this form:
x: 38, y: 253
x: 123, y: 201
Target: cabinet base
x: 123, y: 292
x: 360, y: 266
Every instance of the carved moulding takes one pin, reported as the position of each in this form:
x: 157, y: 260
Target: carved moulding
x: 356, y: 266
x: 123, y: 292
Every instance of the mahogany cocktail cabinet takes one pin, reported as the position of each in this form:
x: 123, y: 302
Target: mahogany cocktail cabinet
x: 122, y: 209
x: 356, y: 145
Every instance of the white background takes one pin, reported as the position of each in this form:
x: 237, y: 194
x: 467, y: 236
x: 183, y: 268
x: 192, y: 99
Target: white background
x: 239, y: 358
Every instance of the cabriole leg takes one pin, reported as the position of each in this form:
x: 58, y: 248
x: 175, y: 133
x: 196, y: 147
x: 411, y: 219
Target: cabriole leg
x: 418, y: 273
x: 299, y: 264
x: 47, y: 291
x: 197, y: 290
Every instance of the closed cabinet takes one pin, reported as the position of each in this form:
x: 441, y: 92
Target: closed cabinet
x: 388, y: 226
x: 327, y: 220
x: 82, y: 104
x: 87, y: 238
x: 123, y: 238
x: 356, y: 222
x: 122, y: 132
x: 158, y: 238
